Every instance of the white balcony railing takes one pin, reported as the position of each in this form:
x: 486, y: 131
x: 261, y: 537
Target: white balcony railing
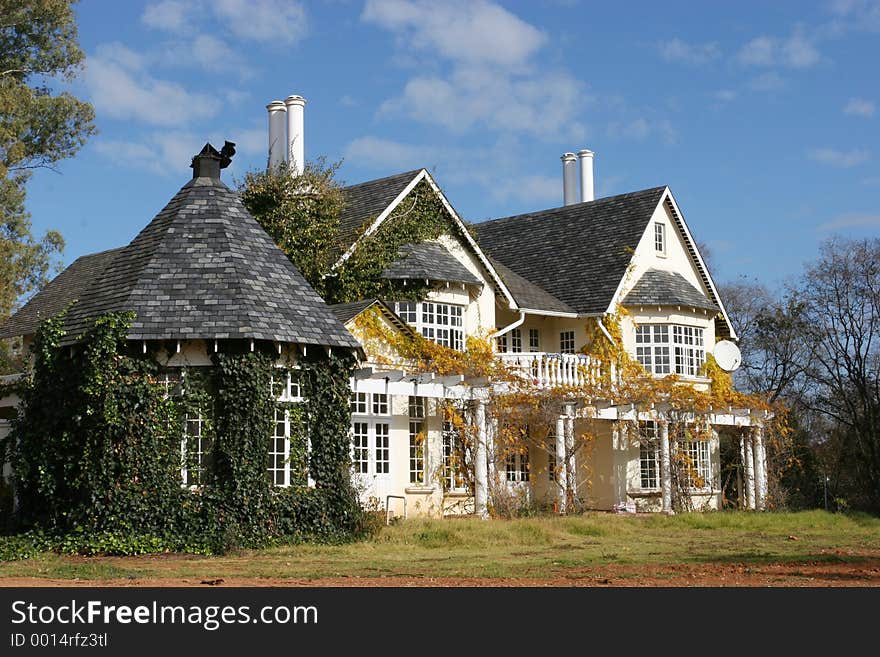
x: 550, y: 370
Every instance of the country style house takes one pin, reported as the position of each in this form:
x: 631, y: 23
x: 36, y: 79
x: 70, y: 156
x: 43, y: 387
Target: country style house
x: 571, y: 301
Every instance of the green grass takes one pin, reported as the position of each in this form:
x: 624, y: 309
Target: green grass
x: 532, y: 547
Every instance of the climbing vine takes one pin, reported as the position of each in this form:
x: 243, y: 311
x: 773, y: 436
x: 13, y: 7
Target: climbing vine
x: 97, y: 448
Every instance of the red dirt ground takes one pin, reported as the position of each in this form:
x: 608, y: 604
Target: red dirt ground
x: 817, y: 574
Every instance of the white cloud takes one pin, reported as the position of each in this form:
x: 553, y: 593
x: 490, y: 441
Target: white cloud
x: 860, y: 107
x: 271, y: 21
x: 464, y: 31
x: 531, y: 189
x: 491, y: 79
x: 168, y: 153
x: 168, y: 15
x: 796, y: 52
x: 677, y: 50
x: 852, y: 221
x: 841, y: 159
x: 121, y: 89
x: 858, y: 14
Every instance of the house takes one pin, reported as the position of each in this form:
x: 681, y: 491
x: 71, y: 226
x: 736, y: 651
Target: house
x: 549, y: 292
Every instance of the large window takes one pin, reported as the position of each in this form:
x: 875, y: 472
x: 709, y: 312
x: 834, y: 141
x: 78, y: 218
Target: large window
x: 453, y: 459
x: 417, y: 437
x: 694, y: 464
x: 442, y: 323
x: 534, y: 340
x: 649, y: 461
x: 195, y: 450
x: 370, y: 439
x: 566, y: 342
x: 656, y: 344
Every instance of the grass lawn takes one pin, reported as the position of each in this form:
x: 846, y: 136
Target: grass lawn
x: 546, y: 547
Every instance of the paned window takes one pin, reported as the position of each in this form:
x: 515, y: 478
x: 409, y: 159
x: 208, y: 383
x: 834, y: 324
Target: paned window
x: 442, y: 323
x: 665, y: 348
x: 534, y: 340
x: 195, y: 451
x: 660, y: 238
x: 649, y: 456
x: 453, y: 459
x: 517, y: 466
x: 566, y: 342
x: 417, y: 436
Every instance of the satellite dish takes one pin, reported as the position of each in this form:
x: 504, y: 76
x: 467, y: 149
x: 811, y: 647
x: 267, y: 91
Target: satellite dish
x: 727, y: 355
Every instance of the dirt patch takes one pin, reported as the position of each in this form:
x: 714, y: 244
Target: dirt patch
x: 822, y: 574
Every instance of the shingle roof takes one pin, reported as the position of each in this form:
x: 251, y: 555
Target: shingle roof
x: 666, y: 288
x: 578, y: 253
x: 527, y: 294
x: 345, y: 312
x: 205, y: 269
x: 66, y: 287
x: 366, y: 201
x: 430, y: 261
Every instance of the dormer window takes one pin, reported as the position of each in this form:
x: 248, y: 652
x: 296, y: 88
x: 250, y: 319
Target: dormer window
x: 660, y: 238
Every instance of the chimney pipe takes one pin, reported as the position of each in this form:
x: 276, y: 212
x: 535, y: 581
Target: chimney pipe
x: 586, y: 160
x: 277, y: 134
x: 569, y: 179
x: 296, y: 152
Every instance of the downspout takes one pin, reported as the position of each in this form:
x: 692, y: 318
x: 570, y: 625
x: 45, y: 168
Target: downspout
x: 507, y: 329
x: 605, y: 331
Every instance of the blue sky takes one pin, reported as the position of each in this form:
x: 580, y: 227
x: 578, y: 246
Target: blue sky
x: 762, y: 117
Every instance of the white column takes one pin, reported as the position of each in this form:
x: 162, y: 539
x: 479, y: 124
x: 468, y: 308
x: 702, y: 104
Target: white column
x: 665, y: 466
x: 561, y: 469
x: 744, y: 492
x: 750, y: 472
x: 491, y: 455
x: 295, y: 133
x: 481, y: 488
x: 570, y: 464
x: 760, y: 470
x: 277, y: 133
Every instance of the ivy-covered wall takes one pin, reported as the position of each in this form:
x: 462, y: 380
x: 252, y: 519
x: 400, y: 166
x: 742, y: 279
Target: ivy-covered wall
x: 96, y: 449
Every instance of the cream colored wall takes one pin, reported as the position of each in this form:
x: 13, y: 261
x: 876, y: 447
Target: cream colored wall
x: 549, y: 328
x: 480, y: 314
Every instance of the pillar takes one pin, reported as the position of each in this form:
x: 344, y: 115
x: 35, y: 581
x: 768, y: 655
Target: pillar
x: 760, y: 469
x: 481, y: 484
x: 750, y: 472
x: 665, y: 465
x: 561, y: 468
x: 570, y: 464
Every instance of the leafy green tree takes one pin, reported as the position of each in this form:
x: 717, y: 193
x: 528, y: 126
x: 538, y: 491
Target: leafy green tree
x: 300, y: 213
x: 38, y: 127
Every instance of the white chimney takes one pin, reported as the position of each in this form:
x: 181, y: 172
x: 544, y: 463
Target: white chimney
x: 586, y: 159
x: 296, y: 152
x: 569, y: 179
x: 277, y: 134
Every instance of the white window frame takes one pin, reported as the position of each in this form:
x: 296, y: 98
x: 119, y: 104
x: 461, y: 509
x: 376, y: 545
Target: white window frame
x: 452, y: 473
x: 370, y: 450
x: 551, y: 458
x: 201, y: 452
x: 649, y: 456
x: 417, y: 427
x: 380, y: 404
x: 566, y: 342
x: 442, y: 323
x: 660, y: 238
x: 699, y: 452
x: 670, y: 348
x: 516, y: 341
x: 534, y: 339
x: 284, y: 386
x: 516, y: 466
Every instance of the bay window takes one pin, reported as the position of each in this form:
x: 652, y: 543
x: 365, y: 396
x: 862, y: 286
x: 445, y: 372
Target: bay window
x: 442, y: 323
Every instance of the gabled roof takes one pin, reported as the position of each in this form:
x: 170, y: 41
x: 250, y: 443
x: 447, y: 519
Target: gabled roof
x: 578, y: 253
x: 345, y: 312
x: 528, y: 295
x: 362, y: 216
x: 365, y: 201
x: 58, y: 293
x: 429, y: 261
x: 666, y: 288
x: 202, y: 269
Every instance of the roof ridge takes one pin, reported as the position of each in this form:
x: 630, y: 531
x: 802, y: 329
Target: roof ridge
x: 413, y: 173
x: 563, y: 208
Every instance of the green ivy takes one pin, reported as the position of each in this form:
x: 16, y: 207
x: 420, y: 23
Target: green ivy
x: 96, y: 450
